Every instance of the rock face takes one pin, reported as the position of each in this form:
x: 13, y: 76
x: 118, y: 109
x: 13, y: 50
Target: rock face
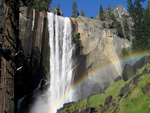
x: 99, y: 49
x: 25, y: 58
x: 118, y: 11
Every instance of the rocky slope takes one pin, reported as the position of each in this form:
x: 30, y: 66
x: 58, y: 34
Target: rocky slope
x: 121, y: 96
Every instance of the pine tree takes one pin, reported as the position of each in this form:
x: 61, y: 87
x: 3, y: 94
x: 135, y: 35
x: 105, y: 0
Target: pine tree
x: 82, y: 13
x: 58, y: 9
x: 136, y: 11
x: 101, y: 13
x: 74, y: 8
x: 126, y: 29
x: 147, y: 23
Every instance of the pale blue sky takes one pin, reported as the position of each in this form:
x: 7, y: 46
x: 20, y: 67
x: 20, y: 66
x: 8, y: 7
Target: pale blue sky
x: 90, y: 7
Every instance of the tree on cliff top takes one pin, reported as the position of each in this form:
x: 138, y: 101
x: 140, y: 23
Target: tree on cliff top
x: 41, y: 5
x: 75, y: 11
x: 82, y: 13
x: 58, y: 9
x: 101, y: 13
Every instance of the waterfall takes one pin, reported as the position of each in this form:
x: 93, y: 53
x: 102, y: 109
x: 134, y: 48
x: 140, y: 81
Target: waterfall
x: 60, y: 41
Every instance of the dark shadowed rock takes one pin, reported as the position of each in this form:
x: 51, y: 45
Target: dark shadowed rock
x: 117, y: 79
x: 128, y: 72
x: 124, y: 90
x: 135, y: 80
x: 142, y: 62
x: 146, y: 89
x: 108, y: 100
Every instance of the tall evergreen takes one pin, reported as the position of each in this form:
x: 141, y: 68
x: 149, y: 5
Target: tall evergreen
x: 136, y: 11
x: 75, y: 11
x: 58, y: 9
x: 147, y: 23
x: 101, y: 13
x: 126, y: 29
x: 82, y: 13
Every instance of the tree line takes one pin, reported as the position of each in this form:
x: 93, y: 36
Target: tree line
x: 140, y: 18
x: 141, y: 27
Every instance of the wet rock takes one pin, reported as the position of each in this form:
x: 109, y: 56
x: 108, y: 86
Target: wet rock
x: 117, y: 79
x: 146, y: 89
x: 108, y: 100
x: 128, y: 72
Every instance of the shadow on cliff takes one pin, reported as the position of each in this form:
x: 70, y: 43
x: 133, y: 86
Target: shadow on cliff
x: 30, y: 79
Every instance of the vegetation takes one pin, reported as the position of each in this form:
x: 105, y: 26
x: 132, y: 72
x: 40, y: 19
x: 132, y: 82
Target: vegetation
x: 75, y: 12
x: 77, y: 36
x: 41, y: 5
x: 141, y: 27
x: 125, y: 51
x: 117, y: 25
x: 58, y: 9
x: 101, y: 13
x: 126, y: 29
x: 133, y: 101
x: 82, y: 13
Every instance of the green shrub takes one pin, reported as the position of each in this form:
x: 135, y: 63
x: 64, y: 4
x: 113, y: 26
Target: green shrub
x: 77, y: 36
x: 125, y: 51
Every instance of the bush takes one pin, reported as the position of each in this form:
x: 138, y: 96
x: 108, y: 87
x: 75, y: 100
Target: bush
x: 77, y: 36
x: 125, y: 51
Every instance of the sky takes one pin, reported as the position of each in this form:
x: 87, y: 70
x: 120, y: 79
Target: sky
x: 90, y: 7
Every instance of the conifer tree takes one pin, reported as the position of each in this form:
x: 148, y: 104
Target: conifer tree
x: 136, y: 11
x: 58, y: 9
x: 147, y: 23
x: 101, y: 13
x: 82, y: 13
x: 126, y: 29
x: 74, y: 8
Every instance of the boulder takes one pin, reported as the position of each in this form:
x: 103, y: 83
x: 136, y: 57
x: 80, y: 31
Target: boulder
x: 135, y: 80
x: 108, y: 100
x: 96, y: 89
x: 128, y: 72
x: 124, y: 90
x: 146, y: 89
x: 117, y: 79
x: 142, y: 62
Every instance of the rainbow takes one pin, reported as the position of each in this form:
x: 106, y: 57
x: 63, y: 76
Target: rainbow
x: 134, y: 56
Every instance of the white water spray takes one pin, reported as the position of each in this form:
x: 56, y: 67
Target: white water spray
x: 60, y: 40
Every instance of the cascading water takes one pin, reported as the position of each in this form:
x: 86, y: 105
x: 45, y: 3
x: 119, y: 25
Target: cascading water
x: 60, y: 40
